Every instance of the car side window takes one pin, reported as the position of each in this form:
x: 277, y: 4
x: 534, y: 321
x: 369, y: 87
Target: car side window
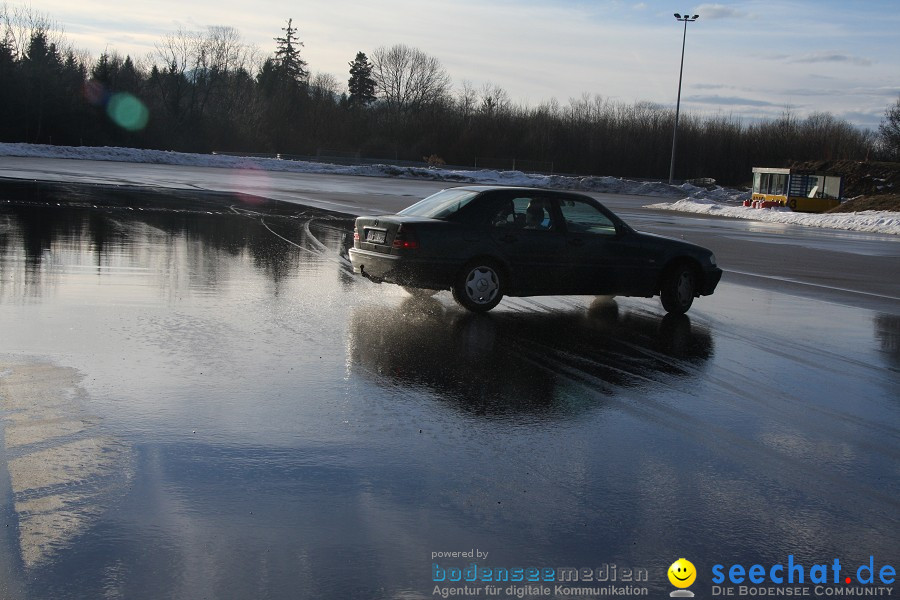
x: 524, y: 213
x: 582, y: 217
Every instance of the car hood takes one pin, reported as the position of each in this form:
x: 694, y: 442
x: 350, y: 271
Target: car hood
x: 673, y: 243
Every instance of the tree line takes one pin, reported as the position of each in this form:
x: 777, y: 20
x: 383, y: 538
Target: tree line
x: 203, y: 91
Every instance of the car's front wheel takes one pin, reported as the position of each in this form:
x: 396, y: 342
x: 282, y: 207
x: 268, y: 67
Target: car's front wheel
x: 479, y: 286
x: 678, y: 288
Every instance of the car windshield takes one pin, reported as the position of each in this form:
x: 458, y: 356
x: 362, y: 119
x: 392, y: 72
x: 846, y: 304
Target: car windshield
x: 440, y: 205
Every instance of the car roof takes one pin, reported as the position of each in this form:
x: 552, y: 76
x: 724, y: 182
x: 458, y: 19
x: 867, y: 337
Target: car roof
x: 511, y: 188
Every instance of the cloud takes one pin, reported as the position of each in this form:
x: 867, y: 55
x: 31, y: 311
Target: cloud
x: 869, y: 120
x: 719, y: 11
x: 825, y: 57
x: 730, y: 101
x: 872, y: 92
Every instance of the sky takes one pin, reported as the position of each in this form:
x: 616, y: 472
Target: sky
x: 746, y: 59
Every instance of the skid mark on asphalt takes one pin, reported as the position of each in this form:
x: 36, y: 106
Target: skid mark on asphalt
x: 309, y: 242
x: 790, y: 470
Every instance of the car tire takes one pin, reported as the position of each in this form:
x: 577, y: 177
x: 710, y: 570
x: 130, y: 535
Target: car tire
x: 419, y: 292
x: 678, y: 287
x: 480, y: 285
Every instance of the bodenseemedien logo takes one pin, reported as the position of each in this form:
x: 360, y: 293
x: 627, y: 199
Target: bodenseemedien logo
x: 682, y: 574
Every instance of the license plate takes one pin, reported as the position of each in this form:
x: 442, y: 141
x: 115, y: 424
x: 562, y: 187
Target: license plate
x: 376, y: 237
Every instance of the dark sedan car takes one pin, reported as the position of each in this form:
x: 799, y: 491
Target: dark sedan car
x: 484, y: 242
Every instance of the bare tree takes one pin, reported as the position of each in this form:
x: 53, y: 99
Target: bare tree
x: 466, y: 100
x: 197, y: 53
x: 494, y: 100
x: 889, y: 131
x: 198, y: 65
x: 325, y: 85
x: 408, y: 78
x: 227, y: 51
x: 23, y: 23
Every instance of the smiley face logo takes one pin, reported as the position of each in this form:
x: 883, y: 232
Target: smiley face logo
x: 682, y: 573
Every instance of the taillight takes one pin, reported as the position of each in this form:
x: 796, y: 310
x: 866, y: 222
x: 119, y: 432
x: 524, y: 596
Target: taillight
x: 405, y: 239
x: 355, y: 233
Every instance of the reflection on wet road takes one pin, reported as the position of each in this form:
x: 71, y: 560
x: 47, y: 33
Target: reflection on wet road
x: 520, y: 363
x: 198, y: 399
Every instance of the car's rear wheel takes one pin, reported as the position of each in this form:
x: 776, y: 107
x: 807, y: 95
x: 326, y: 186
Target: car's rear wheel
x: 419, y: 292
x: 678, y: 288
x: 479, y: 286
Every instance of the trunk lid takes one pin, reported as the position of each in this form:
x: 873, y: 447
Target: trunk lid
x: 385, y: 233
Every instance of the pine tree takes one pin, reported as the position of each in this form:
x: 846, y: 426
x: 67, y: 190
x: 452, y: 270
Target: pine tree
x: 10, y: 101
x: 129, y: 77
x: 361, y: 84
x: 106, y: 69
x: 287, y: 56
x: 43, y: 65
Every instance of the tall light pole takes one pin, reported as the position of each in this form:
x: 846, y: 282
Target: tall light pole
x: 685, y: 19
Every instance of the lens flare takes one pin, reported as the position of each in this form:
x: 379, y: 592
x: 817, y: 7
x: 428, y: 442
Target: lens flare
x: 127, y: 111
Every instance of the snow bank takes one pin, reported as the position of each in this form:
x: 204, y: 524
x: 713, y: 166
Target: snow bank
x: 716, y: 201
x: 609, y: 185
x: 869, y: 220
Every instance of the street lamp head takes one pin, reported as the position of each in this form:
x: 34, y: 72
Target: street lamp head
x: 695, y: 17
x: 677, y: 16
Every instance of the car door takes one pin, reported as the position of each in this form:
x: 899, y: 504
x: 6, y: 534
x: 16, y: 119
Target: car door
x: 529, y: 239
x: 602, y: 257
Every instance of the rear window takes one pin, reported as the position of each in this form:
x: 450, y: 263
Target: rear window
x: 440, y: 205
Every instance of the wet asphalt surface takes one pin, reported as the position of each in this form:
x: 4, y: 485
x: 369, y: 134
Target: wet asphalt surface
x: 200, y: 400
